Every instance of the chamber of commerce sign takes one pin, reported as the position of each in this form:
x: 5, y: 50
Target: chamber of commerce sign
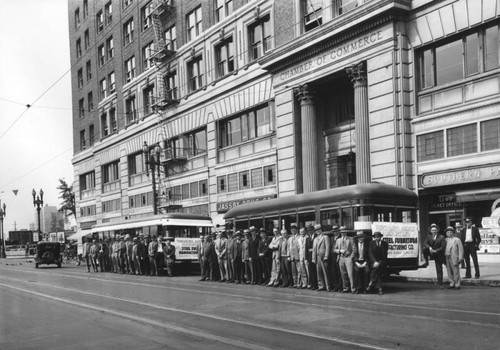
x: 223, y: 207
x: 461, y: 176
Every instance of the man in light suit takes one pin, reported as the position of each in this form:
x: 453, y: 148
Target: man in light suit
x: 294, y: 253
x: 275, y: 246
x: 221, y: 252
x: 344, y: 247
x: 471, y: 239
x: 86, y: 253
x: 454, y: 256
x: 321, y: 250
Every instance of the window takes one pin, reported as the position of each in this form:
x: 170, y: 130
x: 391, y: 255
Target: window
x: 136, y: 164
x: 198, y: 142
x: 80, y: 77
x: 82, y: 139
x: 104, y: 125
x: 147, y: 97
x: 430, y: 146
x: 110, y: 172
x: 190, y: 144
x: 103, y: 88
x: 110, y: 48
x: 256, y: 123
x: 111, y: 82
x: 77, y: 17
x: 194, y: 23
x: 112, y: 119
x: 128, y: 31
x: 185, y: 191
x: 454, y: 60
x: 194, y: 189
x: 195, y: 73
x: 490, y: 135
x: 232, y: 182
x: 78, y: 48
x: 130, y: 109
x: 147, y: 53
x: 130, y: 68
x: 257, y: 177
x: 203, y: 188
x: 170, y: 39
x: 313, y: 14
x: 100, y: 21
x: 171, y: 86
x: 223, y: 8
x: 101, y: 55
x: 224, y: 53
x: 147, y: 19
x: 87, y: 181
x: 244, y: 180
x: 126, y: 3
x: 88, y: 70
x: 81, y: 108
x: 221, y: 184
x: 461, y: 140
x: 91, y: 134
x: 269, y: 175
x: 108, y: 10
x: 345, y: 6
x: 85, y: 8
x: 90, y: 101
x: 111, y: 205
x: 141, y: 200
x: 260, y: 37
x: 86, y: 39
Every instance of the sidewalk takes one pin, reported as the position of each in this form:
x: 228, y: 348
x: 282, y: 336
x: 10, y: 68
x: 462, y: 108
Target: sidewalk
x: 489, y: 267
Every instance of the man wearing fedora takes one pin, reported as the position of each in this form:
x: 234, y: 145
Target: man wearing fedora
x: 344, y: 247
x: 454, y: 255
x: 275, y: 246
x: 361, y: 266
x: 435, y: 245
x: 321, y: 250
x: 471, y: 239
x: 378, y: 257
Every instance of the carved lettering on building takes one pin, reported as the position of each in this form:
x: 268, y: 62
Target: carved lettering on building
x: 461, y: 176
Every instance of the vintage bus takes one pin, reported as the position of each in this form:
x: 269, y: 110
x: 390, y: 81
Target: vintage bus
x: 371, y: 207
x: 185, y: 229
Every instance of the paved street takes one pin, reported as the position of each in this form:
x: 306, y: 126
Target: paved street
x: 70, y: 308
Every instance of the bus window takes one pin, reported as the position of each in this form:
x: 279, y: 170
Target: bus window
x: 307, y: 218
x: 241, y: 225
x: 287, y: 220
x: 384, y: 213
x: 258, y: 223
x: 330, y: 217
x: 346, y: 219
x: 271, y: 222
x: 405, y: 215
x: 363, y: 213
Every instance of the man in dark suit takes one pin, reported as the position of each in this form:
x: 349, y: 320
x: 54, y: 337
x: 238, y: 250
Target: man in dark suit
x: 471, y: 239
x: 360, y: 256
x: 378, y: 257
x: 435, y: 245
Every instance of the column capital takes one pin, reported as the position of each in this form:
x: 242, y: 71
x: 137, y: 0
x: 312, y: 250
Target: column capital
x: 304, y: 93
x: 357, y: 72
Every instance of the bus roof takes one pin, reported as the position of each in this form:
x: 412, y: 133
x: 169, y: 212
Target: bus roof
x: 382, y: 193
x: 177, y: 219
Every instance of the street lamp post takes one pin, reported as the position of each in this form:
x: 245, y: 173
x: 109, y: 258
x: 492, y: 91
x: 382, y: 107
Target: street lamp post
x: 152, y: 160
x: 38, y: 203
x: 3, y: 211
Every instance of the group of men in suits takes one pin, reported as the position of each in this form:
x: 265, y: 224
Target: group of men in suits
x: 458, y: 245
x: 123, y: 254
x: 306, y: 258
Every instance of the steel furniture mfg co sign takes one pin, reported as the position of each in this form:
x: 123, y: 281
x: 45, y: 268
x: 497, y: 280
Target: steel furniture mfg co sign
x: 461, y: 176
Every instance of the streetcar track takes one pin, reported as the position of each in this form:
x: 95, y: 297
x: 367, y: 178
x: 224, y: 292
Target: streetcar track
x: 183, y: 329
x: 317, y: 297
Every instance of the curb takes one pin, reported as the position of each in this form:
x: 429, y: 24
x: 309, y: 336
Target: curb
x: 464, y: 282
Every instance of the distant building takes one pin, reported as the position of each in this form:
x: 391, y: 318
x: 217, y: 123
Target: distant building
x: 20, y: 237
x: 51, y: 220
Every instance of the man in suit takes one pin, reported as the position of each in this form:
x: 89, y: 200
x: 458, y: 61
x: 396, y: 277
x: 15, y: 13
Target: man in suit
x: 471, y: 239
x: 221, y: 252
x: 234, y: 256
x: 361, y: 258
x: 153, y: 253
x: 275, y: 247
x: 434, y: 245
x: 335, y: 275
x: 321, y: 250
x: 246, y: 257
x: 344, y: 247
x: 294, y: 254
x: 86, y: 253
x: 313, y: 274
x: 378, y: 257
x: 286, y: 273
x: 229, y: 244
x: 454, y: 253
x: 265, y: 256
x: 254, y: 255
x: 304, y: 257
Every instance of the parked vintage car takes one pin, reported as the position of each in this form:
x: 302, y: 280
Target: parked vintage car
x: 48, y: 253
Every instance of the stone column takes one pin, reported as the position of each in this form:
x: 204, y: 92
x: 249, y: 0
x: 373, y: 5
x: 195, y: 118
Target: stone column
x: 357, y: 74
x: 309, y: 141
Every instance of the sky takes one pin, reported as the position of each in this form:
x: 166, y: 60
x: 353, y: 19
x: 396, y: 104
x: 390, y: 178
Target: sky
x: 35, y: 143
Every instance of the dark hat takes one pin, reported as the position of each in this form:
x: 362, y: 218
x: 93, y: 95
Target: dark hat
x: 310, y: 227
x: 262, y: 230
x: 246, y: 231
x: 360, y: 234
x: 343, y: 229
x: 252, y: 228
x: 335, y: 228
x: 449, y: 228
x: 378, y: 234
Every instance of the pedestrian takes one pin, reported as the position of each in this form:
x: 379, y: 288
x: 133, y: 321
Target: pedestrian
x: 254, y: 256
x: 343, y: 248
x: 136, y: 258
x: 335, y: 275
x: 246, y: 258
x: 313, y: 274
x: 102, y: 255
x: 221, y: 253
x: 294, y: 254
x: 93, y: 253
x: 129, y: 258
x: 275, y: 247
x: 152, y: 253
x: 230, y: 245
x: 304, y: 257
x: 458, y: 233
x: 169, y: 254
x: 434, y: 247
x: 321, y: 251
x: 361, y: 266
x: 378, y: 258
x: 122, y: 254
x: 201, y: 261
x: 286, y: 273
x: 236, y: 257
x: 86, y: 253
x: 454, y: 254
x: 142, y: 247
x: 27, y: 251
x: 265, y: 257
x: 471, y: 239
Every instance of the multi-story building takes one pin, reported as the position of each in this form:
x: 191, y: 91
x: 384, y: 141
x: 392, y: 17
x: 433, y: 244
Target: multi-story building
x: 51, y: 220
x: 248, y: 100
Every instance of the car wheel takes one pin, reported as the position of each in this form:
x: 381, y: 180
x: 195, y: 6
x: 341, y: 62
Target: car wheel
x: 36, y: 266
